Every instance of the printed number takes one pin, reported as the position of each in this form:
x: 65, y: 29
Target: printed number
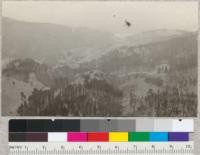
x: 188, y: 146
x: 153, y: 146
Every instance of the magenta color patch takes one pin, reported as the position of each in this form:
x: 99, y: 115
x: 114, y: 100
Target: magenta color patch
x: 77, y: 137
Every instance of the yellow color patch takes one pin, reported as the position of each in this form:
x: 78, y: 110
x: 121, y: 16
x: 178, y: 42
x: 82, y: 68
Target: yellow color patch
x: 118, y: 136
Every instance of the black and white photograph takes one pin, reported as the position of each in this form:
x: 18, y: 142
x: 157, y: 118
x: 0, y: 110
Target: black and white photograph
x: 99, y: 58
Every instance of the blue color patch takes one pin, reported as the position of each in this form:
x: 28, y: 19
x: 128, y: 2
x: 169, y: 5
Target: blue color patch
x: 158, y: 136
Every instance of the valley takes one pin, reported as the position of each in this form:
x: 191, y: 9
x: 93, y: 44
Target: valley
x: 83, y: 72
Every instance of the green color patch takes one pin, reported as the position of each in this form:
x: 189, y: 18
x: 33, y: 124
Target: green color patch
x: 138, y: 136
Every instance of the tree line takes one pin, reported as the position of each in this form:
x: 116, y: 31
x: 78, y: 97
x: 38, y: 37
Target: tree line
x: 165, y: 103
x: 95, y: 98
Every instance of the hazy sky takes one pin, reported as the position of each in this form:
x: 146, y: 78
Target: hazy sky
x: 109, y: 16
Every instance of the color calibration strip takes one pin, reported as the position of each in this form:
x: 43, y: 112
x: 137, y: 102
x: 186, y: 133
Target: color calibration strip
x: 102, y: 125
x: 99, y: 137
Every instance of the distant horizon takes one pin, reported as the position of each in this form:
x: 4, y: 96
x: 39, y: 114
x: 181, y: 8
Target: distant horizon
x: 108, y: 16
x: 118, y: 35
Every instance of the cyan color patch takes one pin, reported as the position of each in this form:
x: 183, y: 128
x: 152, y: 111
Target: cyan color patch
x: 158, y: 136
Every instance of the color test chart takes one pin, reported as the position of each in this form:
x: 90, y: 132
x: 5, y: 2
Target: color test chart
x: 99, y: 137
x: 104, y: 137
x: 101, y: 125
x: 97, y: 130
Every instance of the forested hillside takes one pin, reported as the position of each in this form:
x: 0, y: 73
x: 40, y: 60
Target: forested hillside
x: 149, y: 74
